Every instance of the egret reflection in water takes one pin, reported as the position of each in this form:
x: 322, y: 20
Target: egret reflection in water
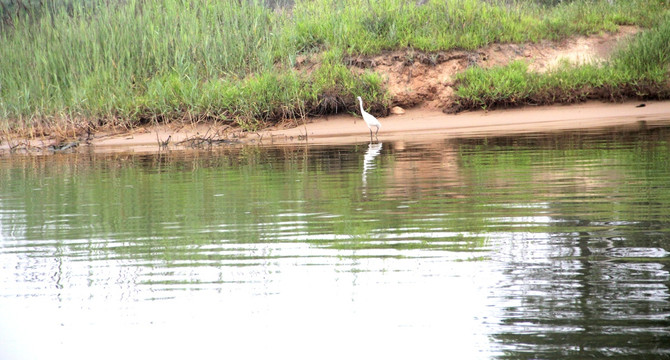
x: 374, y: 149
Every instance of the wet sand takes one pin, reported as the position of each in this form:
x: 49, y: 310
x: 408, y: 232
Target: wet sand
x: 415, y: 125
x: 426, y: 124
x: 418, y: 124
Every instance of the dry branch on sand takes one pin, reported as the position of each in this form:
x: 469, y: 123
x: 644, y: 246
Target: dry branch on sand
x: 218, y: 137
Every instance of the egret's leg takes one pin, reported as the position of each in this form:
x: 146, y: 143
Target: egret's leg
x: 376, y: 132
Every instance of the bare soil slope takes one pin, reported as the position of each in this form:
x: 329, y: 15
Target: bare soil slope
x: 416, y: 78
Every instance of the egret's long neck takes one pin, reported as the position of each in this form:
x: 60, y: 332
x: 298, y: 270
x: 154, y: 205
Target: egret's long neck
x: 361, y: 103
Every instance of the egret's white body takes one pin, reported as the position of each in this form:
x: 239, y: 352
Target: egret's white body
x: 369, y: 119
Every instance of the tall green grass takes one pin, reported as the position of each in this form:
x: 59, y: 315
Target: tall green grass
x: 105, y: 61
x: 134, y: 61
x: 366, y: 26
x: 647, y: 58
x: 140, y: 61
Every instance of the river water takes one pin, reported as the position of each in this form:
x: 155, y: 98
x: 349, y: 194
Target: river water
x: 542, y: 246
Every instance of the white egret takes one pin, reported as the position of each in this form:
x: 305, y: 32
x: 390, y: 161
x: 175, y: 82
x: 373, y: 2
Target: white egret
x: 369, y: 119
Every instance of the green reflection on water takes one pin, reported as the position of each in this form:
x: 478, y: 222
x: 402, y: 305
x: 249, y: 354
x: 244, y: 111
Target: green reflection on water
x: 445, y: 196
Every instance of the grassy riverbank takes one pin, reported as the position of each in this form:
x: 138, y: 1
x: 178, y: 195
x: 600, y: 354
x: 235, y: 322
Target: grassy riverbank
x: 132, y: 62
x: 639, y: 69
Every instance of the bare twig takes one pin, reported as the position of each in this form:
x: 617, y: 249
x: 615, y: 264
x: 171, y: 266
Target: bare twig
x: 207, y: 140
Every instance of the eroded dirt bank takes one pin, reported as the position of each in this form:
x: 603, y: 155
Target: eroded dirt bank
x: 420, y: 79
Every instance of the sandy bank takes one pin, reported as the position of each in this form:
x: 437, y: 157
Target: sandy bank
x: 415, y: 125
x: 422, y: 125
